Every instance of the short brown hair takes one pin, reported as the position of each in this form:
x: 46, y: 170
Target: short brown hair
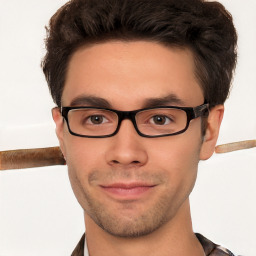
x: 206, y: 28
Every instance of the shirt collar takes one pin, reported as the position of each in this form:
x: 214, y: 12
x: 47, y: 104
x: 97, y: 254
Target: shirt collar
x: 209, y: 247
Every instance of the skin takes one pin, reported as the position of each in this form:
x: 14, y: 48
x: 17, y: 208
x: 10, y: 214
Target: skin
x: 156, y: 221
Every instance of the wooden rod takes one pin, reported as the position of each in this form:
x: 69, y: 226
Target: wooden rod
x: 29, y: 158
x: 38, y: 157
x: 235, y: 146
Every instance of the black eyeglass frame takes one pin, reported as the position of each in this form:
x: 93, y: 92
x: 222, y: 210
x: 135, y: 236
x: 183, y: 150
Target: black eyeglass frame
x: 192, y: 113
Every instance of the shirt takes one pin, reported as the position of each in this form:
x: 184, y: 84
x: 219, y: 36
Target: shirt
x: 210, y: 248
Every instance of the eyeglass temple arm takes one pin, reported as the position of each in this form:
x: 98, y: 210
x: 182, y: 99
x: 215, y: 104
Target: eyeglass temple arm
x: 39, y: 157
x: 202, y: 110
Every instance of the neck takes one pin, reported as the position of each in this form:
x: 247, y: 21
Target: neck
x: 175, y: 237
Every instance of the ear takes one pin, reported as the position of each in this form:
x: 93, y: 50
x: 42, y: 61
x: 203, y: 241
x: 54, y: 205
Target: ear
x: 58, y: 119
x: 212, y: 132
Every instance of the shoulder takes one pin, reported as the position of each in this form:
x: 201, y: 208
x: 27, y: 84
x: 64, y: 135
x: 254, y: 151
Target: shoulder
x: 212, y: 249
x: 79, y: 250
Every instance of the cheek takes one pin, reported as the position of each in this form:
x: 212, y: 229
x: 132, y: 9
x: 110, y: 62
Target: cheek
x: 82, y: 156
x: 178, y: 156
x: 83, y: 152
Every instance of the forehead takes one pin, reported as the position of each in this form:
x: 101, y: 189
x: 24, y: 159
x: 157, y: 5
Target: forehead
x: 127, y: 73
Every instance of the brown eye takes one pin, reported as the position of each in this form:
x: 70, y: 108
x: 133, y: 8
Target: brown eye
x: 96, y: 119
x: 160, y: 120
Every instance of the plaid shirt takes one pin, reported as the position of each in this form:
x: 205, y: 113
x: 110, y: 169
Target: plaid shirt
x: 210, y: 248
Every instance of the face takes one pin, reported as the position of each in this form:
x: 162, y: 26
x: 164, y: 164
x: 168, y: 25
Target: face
x: 127, y: 184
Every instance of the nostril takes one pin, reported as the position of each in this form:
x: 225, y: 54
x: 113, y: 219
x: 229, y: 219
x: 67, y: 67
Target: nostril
x: 117, y: 162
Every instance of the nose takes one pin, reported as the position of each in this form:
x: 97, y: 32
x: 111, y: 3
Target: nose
x: 126, y: 148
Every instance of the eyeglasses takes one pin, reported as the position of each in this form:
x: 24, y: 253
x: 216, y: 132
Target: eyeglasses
x: 149, y: 122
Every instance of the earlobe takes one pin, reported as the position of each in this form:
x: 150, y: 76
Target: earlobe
x: 58, y: 119
x: 212, y: 132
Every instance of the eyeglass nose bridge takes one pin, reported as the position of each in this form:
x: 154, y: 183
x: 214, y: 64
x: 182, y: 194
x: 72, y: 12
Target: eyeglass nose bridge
x: 130, y: 115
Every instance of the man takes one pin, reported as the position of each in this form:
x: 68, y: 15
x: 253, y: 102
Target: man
x: 139, y: 87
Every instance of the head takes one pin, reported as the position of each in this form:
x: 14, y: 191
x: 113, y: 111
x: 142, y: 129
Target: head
x: 128, y: 55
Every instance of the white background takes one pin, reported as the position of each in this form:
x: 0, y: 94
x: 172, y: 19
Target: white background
x: 39, y: 214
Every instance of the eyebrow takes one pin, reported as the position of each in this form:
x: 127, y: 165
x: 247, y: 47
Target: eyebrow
x: 94, y: 101
x: 171, y: 100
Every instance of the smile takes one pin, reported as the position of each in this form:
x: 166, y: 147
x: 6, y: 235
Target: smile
x: 127, y: 191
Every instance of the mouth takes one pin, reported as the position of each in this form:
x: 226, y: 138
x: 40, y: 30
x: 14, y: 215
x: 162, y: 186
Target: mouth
x: 127, y: 191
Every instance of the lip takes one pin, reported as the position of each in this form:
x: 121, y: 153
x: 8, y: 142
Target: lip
x: 127, y: 191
